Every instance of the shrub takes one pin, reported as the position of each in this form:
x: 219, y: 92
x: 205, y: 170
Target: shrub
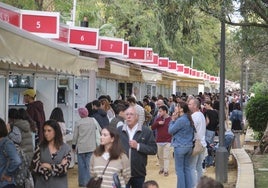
x: 257, y: 113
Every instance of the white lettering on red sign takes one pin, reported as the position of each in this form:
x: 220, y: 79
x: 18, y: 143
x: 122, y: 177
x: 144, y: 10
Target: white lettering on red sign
x: 4, y: 17
x: 38, y: 24
x: 82, y: 38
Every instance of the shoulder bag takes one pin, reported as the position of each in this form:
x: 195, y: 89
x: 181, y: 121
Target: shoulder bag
x: 95, y: 182
x: 198, y: 147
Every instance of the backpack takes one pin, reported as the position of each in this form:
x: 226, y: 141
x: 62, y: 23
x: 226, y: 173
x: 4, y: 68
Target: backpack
x: 23, y: 176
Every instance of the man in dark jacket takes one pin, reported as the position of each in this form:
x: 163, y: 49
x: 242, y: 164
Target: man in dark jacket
x: 35, y: 109
x: 138, y: 142
x: 99, y: 114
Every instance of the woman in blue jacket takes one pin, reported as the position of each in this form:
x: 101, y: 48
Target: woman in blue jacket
x: 236, y: 117
x: 9, y: 158
x: 182, y: 130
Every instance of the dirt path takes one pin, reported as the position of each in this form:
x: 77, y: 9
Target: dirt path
x: 169, y: 181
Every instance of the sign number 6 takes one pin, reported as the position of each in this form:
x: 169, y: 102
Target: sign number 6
x: 82, y: 38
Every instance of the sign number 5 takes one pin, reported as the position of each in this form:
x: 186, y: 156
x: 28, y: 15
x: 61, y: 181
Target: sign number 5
x: 38, y: 24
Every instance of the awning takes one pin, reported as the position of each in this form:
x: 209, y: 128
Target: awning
x: 23, y: 48
x: 85, y: 63
x: 118, y: 69
x: 151, y: 75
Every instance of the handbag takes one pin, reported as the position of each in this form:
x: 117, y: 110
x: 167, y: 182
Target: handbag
x: 198, y: 147
x: 116, y: 180
x: 95, y: 182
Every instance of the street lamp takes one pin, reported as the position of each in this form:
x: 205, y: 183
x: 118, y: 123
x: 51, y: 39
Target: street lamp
x: 73, y: 13
x: 222, y: 153
x: 247, y: 68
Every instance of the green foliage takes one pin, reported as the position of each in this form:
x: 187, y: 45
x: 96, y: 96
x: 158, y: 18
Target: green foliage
x: 260, y: 89
x: 21, y: 4
x: 257, y: 113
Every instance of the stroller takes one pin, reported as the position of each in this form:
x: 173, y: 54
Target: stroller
x: 212, y: 148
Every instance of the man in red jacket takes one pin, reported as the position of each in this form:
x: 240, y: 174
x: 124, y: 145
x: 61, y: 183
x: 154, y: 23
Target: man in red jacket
x: 163, y: 138
x: 35, y: 109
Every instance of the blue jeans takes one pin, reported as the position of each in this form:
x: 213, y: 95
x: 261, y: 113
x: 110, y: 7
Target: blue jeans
x: 83, y: 168
x: 210, y: 136
x: 10, y: 186
x: 135, y: 182
x: 196, y: 167
x: 182, y: 157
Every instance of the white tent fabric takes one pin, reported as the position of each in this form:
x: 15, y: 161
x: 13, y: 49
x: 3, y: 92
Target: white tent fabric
x: 23, y: 48
x: 118, y: 69
x: 151, y: 75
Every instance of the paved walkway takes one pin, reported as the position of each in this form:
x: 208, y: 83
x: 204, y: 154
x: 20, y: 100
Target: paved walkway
x: 240, y: 177
x: 169, y: 181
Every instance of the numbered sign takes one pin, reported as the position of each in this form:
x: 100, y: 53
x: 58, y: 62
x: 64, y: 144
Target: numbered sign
x: 82, y: 37
x: 43, y: 24
x: 212, y: 78
x: 140, y: 54
x: 172, y: 65
x: 186, y: 70
x: 111, y: 46
x: 193, y: 72
x: 180, y: 68
x: 155, y: 60
x: 163, y: 62
x: 9, y: 14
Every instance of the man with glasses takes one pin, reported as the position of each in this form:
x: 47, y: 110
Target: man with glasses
x: 138, y: 142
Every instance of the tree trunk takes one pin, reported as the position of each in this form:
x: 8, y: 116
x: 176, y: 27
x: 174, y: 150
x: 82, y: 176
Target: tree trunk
x: 263, y: 145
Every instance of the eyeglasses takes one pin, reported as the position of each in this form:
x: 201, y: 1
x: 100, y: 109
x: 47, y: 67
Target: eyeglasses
x: 130, y: 114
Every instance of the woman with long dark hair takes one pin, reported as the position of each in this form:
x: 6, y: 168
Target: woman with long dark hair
x: 182, y: 130
x: 51, y: 158
x: 57, y: 115
x: 110, y: 152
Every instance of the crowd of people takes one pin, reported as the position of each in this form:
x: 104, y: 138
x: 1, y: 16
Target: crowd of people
x: 112, y: 139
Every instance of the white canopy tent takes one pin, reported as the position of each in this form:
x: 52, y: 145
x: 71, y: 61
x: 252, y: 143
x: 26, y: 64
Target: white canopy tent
x: 23, y: 48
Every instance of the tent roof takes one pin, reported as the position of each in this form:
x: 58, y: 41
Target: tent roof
x: 23, y: 48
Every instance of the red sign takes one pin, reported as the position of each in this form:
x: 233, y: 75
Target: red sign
x: 198, y: 73
x: 140, y: 54
x: 186, y: 70
x: 111, y: 46
x: 43, y: 24
x: 148, y: 54
x: 180, y: 67
x: 212, y: 78
x: 193, y: 72
x: 155, y: 60
x: 126, y: 45
x: 64, y: 34
x: 82, y: 37
x: 9, y: 14
x: 163, y: 62
x: 172, y: 65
